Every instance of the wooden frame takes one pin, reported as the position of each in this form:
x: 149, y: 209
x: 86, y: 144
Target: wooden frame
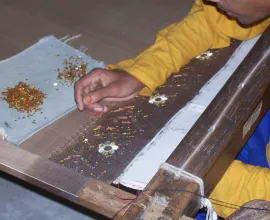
x: 206, y: 151
x: 216, y: 138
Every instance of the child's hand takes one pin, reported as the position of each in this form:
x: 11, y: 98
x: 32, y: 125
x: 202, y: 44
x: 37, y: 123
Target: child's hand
x: 107, y: 85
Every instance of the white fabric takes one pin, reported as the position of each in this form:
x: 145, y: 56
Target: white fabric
x: 38, y: 64
x: 211, y: 214
x: 158, y: 150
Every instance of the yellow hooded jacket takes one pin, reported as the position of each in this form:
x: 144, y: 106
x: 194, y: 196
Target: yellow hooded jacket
x: 204, y: 28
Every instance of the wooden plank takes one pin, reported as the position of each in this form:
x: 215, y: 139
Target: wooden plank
x: 40, y: 172
x: 180, y: 200
x: 94, y: 195
x: 219, y: 134
x: 262, y: 212
x: 163, y: 185
x: 104, y: 199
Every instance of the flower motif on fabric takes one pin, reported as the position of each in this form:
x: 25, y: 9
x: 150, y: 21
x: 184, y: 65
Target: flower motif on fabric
x: 107, y: 148
x: 205, y: 56
x: 158, y: 100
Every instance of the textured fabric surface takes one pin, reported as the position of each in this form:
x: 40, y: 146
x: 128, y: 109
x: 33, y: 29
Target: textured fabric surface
x: 38, y: 66
x: 233, y: 188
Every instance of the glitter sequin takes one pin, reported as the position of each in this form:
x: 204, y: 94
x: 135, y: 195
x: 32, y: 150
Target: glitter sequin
x: 74, y: 68
x: 23, y: 97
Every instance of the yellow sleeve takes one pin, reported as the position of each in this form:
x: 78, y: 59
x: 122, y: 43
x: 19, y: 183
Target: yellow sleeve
x: 204, y: 28
x: 240, y: 184
x: 174, y: 47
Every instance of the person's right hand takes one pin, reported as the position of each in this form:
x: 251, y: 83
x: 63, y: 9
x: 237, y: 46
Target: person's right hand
x: 105, y: 85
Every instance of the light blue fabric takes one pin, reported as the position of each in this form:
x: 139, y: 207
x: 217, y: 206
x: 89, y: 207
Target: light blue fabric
x: 38, y: 66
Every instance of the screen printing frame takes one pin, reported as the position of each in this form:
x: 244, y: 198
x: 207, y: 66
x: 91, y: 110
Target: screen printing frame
x: 204, y: 152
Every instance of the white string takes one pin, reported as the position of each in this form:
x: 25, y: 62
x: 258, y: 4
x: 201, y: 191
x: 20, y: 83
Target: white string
x: 3, y: 134
x: 211, y: 214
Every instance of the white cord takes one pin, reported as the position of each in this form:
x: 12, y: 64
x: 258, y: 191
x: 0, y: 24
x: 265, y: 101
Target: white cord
x: 3, y: 134
x: 211, y: 214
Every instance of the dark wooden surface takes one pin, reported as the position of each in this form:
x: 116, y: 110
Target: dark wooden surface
x: 256, y: 210
x: 217, y: 137
x: 137, y: 122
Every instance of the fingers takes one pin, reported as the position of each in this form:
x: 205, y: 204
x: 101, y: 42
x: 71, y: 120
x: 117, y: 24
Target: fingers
x: 97, y: 95
x: 91, y: 106
x: 107, y: 86
x: 122, y: 99
x: 84, y: 86
x: 96, y: 107
x: 90, y: 101
x: 78, y: 93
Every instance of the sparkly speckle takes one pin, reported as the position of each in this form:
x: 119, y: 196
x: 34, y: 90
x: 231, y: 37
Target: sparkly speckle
x: 74, y: 68
x: 23, y: 98
x: 85, y: 140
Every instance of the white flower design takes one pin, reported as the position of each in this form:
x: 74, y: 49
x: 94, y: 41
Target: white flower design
x: 107, y: 148
x: 205, y: 56
x: 158, y: 99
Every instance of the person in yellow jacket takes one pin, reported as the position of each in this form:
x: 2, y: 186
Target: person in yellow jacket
x: 210, y: 24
